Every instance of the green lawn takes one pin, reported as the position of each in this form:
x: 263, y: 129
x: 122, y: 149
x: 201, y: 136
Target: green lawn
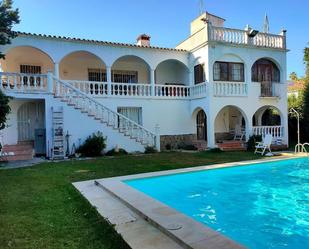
x: 39, y: 208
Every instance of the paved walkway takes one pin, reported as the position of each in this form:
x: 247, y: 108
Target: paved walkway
x: 22, y: 164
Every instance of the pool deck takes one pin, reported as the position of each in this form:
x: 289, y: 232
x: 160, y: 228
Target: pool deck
x: 160, y: 226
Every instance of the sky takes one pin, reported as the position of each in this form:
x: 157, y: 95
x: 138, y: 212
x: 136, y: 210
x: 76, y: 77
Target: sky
x: 166, y: 21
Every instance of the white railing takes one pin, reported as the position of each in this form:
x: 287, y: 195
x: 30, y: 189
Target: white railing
x: 238, y: 36
x: 226, y: 89
x: 268, y: 40
x: 23, y: 83
x: 275, y: 131
x: 198, y: 90
x: 139, y: 90
x: 270, y: 89
x: 132, y: 90
x: 228, y: 35
x: 172, y: 91
x: 81, y: 100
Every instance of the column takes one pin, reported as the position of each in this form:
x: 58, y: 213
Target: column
x: 158, y: 140
x: 50, y: 82
x: 109, y: 80
x: 152, y: 82
x: 56, y: 70
x: 211, y: 142
x: 191, y: 78
x: 249, y: 127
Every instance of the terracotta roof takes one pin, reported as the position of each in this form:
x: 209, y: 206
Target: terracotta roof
x: 95, y: 41
x: 296, y: 85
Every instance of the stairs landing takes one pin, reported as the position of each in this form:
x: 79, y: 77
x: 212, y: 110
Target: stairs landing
x: 22, y: 151
x: 232, y: 145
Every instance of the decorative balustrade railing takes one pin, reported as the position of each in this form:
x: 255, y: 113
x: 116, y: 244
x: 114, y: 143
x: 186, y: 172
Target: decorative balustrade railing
x: 270, y: 89
x: 136, y: 90
x: 23, y: 83
x: 275, y: 131
x: 139, y: 90
x: 226, y: 89
x: 239, y: 36
x: 81, y: 100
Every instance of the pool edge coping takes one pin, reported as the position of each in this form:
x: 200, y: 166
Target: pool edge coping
x: 192, y: 233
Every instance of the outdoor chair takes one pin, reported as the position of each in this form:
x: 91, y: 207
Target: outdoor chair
x: 261, y: 147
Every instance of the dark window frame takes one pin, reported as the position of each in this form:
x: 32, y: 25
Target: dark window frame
x: 228, y: 74
x: 256, y: 76
x: 199, y: 73
x: 97, y: 75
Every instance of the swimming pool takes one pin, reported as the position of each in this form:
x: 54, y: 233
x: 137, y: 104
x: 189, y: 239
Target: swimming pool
x: 264, y: 205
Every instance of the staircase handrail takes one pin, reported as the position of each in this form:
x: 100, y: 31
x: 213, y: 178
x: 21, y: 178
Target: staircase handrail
x: 68, y: 85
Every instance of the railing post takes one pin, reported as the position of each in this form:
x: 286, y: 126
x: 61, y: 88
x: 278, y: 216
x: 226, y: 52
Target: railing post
x: 152, y: 82
x: 157, y: 138
x: 283, y: 34
x: 109, y: 80
x: 50, y: 82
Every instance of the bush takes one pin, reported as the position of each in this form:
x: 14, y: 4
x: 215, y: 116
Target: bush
x: 116, y: 152
x: 216, y: 150
x: 184, y: 146
x: 168, y: 146
x: 252, y: 142
x: 93, y: 145
x: 150, y: 150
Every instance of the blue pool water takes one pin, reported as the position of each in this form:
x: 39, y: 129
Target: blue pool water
x: 261, y: 206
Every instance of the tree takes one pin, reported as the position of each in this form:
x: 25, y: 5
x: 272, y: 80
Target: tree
x: 8, y: 17
x: 4, y: 109
x: 293, y: 76
x: 306, y: 62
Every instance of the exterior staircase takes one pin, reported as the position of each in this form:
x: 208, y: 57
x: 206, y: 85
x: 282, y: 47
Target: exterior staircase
x: 22, y: 151
x: 87, y: 105
x: 232, y: 145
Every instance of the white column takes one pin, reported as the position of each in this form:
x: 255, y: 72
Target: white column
x: 211, y: 141
x: 158, y: 140
x: 152, y: 82
x: 109, y: 80
x: 249, y: 127
x: 50, y: 84
x: 56, y: 70
x: 191, y: 78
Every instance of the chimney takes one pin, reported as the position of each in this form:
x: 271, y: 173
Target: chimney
x: 143, y: 40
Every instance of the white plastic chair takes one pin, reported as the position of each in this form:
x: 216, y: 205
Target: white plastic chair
x: 239, y: 133
x: 261, y: 147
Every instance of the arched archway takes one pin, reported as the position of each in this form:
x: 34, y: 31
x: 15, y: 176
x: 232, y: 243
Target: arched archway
x: 82, y: 65
x: 267, y: 116
x: 172, y: 72
x: 130, y: 69
x: 265, y: 70
x: 201, y: 124
x: 230, y: 124
x: 28, y: 60
x: 269, y: 120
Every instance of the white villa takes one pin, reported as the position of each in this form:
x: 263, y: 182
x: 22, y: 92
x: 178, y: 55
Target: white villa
x: 217, y: 86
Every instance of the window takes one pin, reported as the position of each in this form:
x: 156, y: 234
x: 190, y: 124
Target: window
x: 265, y: 70
x: 133, y: 113
x: 199, y: 74
x: 97, y: 75
x: 228, y: 71
x: 124, y: 76
x: 30, y: 69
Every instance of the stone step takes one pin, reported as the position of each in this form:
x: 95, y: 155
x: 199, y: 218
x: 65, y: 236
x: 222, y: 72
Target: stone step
x: 21, y: 151
x: 233, y: 149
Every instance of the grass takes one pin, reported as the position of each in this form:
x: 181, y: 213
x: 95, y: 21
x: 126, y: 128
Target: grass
x: 39, y: 208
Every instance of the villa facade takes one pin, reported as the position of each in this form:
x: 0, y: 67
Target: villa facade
x: 220, y: 84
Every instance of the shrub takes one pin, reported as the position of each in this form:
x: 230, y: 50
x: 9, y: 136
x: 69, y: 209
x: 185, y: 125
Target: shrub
x: 150, y: 150
x: 184, y: 146
x: 116, y: 152
x: 168, y: 146
x: 93, y: 145
x: 252, y: 141
x: 216, y: 150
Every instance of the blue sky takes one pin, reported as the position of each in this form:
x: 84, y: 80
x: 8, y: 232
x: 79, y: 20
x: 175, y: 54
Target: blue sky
x: 167, y: 21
